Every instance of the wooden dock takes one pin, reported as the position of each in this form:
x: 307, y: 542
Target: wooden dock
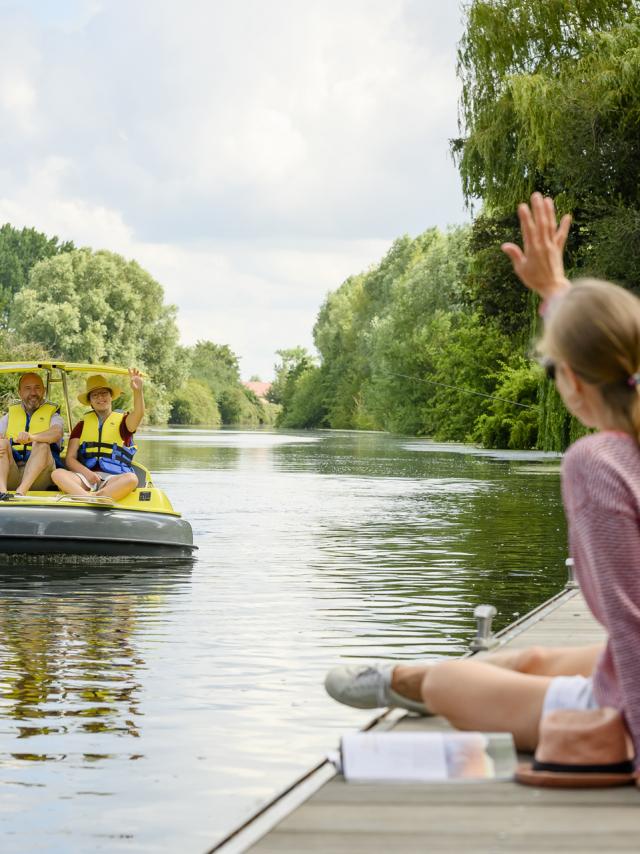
x: 322, y: 813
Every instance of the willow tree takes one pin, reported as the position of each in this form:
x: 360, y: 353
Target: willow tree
x: 550, y: 102
x: 509, y: 58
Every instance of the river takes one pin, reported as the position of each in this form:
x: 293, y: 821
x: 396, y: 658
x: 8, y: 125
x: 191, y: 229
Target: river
x: 150, y: 708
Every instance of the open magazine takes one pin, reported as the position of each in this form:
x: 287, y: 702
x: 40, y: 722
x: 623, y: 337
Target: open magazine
x: 427, y: 756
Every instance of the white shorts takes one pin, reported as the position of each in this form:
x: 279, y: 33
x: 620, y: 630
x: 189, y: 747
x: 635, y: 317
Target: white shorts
x: 104, y: 477
x: 569, y: 692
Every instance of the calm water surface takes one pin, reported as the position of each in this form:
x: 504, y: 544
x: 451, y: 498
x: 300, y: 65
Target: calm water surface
x: 150, y: 708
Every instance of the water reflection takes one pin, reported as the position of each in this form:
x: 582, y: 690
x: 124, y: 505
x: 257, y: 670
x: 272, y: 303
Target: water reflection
x: 69, y: 665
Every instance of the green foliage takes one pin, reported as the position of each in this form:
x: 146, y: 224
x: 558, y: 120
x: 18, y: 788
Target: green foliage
x: 510, y: 59
x: 506, y: 425
x: 12, y: 349
x: 402, y: 356
x: 305, y: 406
x: 239, y: 406
x: 98, y: 307
x: 20, y: 251
x: 194, y: 403
x: 490, y: 286
x: 293, y: 362
x: 550, y: 102
x: 216, y: 365
x: 466, y: 352
x: 400, y: 348
x: 297, y: 389
x: 217, y: 368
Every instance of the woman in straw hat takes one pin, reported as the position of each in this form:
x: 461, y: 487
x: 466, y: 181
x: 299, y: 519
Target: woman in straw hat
x: 591, y: 349
x: 101, y: 446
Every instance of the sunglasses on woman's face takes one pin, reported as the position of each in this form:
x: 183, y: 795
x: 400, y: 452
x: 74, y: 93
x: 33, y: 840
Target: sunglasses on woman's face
x: 549, y: 368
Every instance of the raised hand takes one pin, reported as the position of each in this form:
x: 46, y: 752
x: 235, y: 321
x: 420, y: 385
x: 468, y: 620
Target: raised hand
x: 135, y: 379
x: 539, y: 264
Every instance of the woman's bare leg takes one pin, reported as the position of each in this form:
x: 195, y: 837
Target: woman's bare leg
x: 536, y: 661
x: 68, y: 482
x: 119, y: 486
x: 549, y: 660
x: 476, y: 695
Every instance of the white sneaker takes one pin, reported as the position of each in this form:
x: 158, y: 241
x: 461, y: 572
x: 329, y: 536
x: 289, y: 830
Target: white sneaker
x: 368, y: 686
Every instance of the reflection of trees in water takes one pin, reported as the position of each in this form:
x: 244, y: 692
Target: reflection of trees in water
x: 160, y: 455
x: 69, y: 664
x: 465, y: 530
x: 516, y: 537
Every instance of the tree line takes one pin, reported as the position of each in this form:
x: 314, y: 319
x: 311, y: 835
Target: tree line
x: 58, y: 301
x: 437, y: 339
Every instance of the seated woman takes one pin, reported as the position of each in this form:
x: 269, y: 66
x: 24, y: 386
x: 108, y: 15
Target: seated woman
x: 101, y: 445
x: 591, y: 349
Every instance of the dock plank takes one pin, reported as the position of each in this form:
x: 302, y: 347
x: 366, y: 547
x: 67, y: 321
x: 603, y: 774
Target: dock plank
x: 414, y: 843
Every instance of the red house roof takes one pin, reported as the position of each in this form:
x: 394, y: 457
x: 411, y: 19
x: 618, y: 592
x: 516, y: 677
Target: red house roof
x: 259, y: 389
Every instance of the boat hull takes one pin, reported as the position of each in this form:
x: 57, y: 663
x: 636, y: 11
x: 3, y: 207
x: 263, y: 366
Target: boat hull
x: 92, y: 532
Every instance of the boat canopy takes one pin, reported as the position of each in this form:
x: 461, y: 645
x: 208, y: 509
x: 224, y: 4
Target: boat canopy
x: 66, y: 367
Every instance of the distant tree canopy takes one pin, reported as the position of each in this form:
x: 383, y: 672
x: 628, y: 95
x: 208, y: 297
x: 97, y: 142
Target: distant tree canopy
x: 216, y: 371
x: 215, y: 364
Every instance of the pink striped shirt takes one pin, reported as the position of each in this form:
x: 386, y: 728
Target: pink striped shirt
x: 601, y: 493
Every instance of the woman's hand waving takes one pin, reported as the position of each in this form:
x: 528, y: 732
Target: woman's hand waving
x: 539, y: 263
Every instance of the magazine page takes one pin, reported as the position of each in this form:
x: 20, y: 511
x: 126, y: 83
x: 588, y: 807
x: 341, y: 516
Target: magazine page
x: 427, y: 756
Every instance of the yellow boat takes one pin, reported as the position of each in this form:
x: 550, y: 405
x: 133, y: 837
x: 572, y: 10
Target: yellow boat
x: 53, y: 524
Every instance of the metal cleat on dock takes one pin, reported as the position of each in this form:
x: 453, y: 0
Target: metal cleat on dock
x: 571, y: 584
x: 484, y: 639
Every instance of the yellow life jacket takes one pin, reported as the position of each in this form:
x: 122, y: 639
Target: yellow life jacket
x: 38, y: 422
x: 101, y: 445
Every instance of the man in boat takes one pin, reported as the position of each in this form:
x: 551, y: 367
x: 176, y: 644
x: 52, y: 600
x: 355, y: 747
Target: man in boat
x: 101, y: 446
x: 30, y: 440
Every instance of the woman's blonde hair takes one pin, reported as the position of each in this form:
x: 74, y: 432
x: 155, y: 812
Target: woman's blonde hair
x: 595, y: 329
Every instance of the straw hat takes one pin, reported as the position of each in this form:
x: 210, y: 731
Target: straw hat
x: 95, y: 382
x: 580, y: 749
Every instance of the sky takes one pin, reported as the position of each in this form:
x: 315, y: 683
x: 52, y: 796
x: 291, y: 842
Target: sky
x: 250, y: 154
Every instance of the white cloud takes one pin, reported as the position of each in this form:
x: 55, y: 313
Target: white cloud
x: 251, y: 155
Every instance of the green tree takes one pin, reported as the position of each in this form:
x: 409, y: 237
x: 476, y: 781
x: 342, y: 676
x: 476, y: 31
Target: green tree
x: 194, y: 403
x: 12, y: 349
x: 20, y: 251
x: 305, y: 401
x: 292, y: 363
x: 509, y: 56
x: 98, y: 307
x: 550, y: 102
x: 217, y: 367
x: 507, y: 425
x: 215, y: 364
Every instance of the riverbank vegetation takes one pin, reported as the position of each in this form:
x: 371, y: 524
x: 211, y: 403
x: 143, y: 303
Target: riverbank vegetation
x: 436, y: 339
x: 86, y: 306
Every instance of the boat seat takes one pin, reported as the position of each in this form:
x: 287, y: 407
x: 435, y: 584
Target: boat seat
x: 141, y: 474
